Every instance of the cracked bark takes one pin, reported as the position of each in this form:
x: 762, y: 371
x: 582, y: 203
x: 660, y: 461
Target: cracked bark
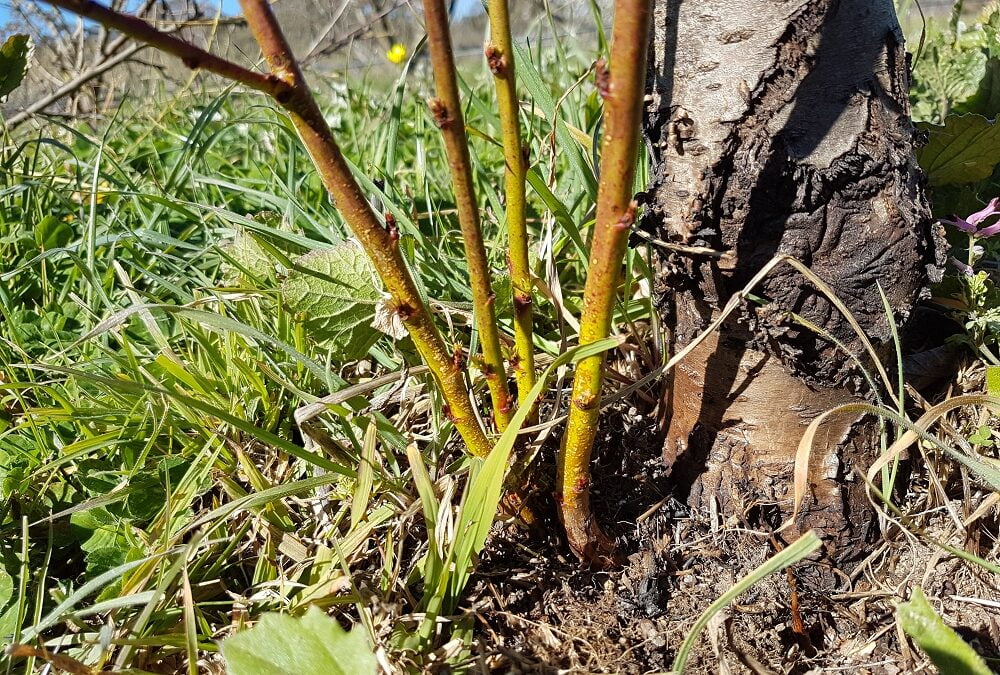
x: 781, y: 126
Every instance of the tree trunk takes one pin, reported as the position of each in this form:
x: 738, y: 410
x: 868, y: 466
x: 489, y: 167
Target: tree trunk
x: 781, y: 127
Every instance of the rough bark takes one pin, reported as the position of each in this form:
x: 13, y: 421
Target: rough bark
x: 781, y: 126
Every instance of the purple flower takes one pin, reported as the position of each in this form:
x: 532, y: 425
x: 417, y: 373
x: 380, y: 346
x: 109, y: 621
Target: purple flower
x: 990, y: 210
x: 960, y: 223
x: 989, y: 231
x: 970, y: 223
x: 962, y: 267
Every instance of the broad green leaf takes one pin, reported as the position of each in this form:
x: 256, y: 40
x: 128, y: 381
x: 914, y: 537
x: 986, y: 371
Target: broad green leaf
x: 250, y: 262
x: 986, y: 100
x: 313, y: 644
x: 334, y: 293
x: 52, y: 232
x: 8, y: 605
x: 6, y: 587
x: 14, y: 56
x: 949, y: 652
x: 98, y: 529
x: 993, y: 380
x: 964, y: 150
x: 254, y: 254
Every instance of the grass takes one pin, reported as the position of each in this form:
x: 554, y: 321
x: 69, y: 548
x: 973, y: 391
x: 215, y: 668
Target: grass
x: 152, y: 468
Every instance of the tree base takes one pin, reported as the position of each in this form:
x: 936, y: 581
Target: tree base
x: 735, y: 421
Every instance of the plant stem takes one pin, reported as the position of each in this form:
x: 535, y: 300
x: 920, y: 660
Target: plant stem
x: 381, y: 244
x: 500, y: 57
x: 447, y: 111
x: 289, y: 89
x: 623, y: 90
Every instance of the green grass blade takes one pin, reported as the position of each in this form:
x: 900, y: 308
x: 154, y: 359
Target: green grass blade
x: 790, y: 555
x: 949, y: 652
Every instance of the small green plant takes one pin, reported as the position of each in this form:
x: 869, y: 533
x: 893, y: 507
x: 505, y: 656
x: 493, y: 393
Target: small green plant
x: 955, y: 102
x: 312, y: 643
x: 971, y: 293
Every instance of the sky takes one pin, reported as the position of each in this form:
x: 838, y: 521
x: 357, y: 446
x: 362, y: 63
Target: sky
x: 460, y: 9
x: 228, y: 7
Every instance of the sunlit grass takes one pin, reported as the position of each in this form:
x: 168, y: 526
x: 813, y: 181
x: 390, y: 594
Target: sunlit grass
x: 157, y: 490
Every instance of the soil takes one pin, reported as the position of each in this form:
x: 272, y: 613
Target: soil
x: 539, y: 611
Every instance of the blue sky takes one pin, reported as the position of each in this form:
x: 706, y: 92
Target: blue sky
x: 460, y: 8
x: 228, y: 7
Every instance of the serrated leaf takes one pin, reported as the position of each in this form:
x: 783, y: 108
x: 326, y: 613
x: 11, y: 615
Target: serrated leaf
x: 14, y: 57
x: 986, y: 100
x: 949, y: 652
x: 963, y: 150
x: 333, y: 292
x: 314, y: 643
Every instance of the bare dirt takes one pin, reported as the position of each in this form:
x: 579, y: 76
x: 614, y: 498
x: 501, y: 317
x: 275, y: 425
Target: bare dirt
x: 539, y: 611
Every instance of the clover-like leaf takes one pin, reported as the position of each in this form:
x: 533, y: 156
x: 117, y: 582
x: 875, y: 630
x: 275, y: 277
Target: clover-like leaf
x: 15, y: 54
x: 333, y: 292
x: 314, y: 643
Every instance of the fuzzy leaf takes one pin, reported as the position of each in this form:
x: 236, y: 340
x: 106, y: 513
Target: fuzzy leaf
x: 14, y: 56
x: 949, y: 652
x: 964, y: 150
x: 254, y: 256
x: 314, y: 643
x: 250, y: 256
x: 333, y: 291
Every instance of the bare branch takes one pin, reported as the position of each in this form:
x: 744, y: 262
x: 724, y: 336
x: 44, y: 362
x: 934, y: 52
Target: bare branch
x: 73, y: 85
x: 193, y: 57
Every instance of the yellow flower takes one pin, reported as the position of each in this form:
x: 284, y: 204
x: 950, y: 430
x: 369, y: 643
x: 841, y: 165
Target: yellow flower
x: 397, y: 54
x: 103, y: 191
